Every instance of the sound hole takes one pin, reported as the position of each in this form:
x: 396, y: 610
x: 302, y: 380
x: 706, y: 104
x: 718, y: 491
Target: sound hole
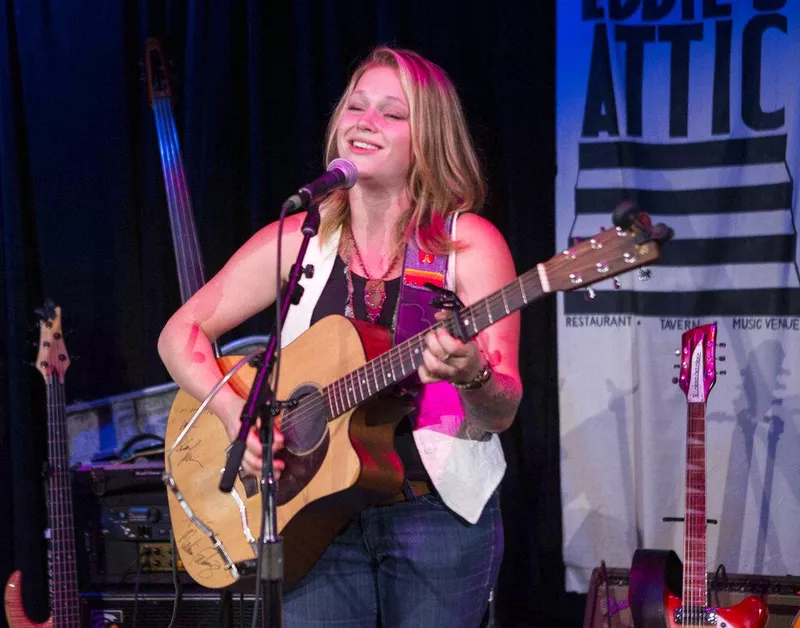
x: 304, y: 426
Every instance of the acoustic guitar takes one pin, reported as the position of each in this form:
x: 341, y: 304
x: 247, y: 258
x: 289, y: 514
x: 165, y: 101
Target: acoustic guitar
x: 656, y: 596
x: 52, y: 362
x: 339, y: 451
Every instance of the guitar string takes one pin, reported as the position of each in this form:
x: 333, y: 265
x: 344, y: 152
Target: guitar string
x: 178, y: 190
x: 309, y: 409
x: 165, y: 147
x: 393, y: 356
x: 67, y: 527
x: 695, y: 585
x: 64, y: 571
x: 173, y: 175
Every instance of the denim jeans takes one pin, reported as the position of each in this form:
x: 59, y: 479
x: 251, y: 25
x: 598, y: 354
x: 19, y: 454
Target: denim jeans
x: 413, y: 563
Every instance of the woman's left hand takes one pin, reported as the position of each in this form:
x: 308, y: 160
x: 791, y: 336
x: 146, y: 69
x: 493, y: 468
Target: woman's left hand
x: 447, y: 358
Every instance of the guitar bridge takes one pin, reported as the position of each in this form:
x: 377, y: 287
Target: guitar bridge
x: 696, y: 616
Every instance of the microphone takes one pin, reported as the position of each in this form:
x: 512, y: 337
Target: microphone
x: 341, y: 174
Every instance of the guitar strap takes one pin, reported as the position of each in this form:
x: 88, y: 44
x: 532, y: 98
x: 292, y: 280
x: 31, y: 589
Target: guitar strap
x: 414, y: 311
x: 415, y: 314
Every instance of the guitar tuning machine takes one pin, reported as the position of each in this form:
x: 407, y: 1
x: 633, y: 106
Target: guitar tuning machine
x: 644, y: 274
x: 721, y: 345
x: 722, y: 372
x: 617, y: 283
x: 677, y: 352
x: 590, y: 294
x: 674, y: 380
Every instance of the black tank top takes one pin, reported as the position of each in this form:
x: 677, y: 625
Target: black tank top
x: 332, y: 301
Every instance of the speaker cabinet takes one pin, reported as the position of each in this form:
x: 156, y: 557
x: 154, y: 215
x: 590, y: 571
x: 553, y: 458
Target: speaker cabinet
x: 196, y: 609
x: 607, y: 600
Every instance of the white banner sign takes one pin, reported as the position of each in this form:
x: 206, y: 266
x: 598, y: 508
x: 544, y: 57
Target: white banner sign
x: 689, y: 108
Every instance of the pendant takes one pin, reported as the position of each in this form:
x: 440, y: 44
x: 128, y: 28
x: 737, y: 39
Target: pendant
x: 374, y: 298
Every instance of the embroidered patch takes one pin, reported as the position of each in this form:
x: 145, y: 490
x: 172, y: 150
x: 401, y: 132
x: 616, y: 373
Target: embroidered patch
x: 418, y: 278
x: 425, y: 258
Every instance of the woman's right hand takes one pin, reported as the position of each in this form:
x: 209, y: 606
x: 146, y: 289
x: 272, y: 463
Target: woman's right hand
x: 252, y: 460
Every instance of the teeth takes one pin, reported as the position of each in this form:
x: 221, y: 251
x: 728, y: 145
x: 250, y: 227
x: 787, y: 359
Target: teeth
x: 358, y: 144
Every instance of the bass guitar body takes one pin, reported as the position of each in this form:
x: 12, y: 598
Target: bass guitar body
x: 334, y: 468
x: 15, y: 610
x: 655, y: 601
x: 751, y: 612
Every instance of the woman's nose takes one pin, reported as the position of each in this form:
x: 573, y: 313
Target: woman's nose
x: 367, y: 120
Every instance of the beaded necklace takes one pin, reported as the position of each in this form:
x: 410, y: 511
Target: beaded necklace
x: 374, y: 290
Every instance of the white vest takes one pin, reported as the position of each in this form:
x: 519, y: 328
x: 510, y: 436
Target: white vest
x: 464, y: 462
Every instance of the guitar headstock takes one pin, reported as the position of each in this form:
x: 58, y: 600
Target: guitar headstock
x: 632, y: 243
x: 698, y: 362
x: 155, y: 63
x: 52, y: 358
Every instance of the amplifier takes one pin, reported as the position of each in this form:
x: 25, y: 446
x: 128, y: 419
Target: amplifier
x: 607, y: 601
x: 195, y: 609
x: 123, y: 525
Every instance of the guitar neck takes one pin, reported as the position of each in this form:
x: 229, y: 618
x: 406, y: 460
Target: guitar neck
x: 62, y: 558
x: 402, y: 360
x: 695, y: 587
x: 191, y: 275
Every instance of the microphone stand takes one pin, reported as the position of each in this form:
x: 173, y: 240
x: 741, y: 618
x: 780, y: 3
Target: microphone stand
x: 261, y: 404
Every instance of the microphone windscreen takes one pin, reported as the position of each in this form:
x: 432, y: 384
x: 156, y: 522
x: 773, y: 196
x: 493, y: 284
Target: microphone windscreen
x: 348, y: 168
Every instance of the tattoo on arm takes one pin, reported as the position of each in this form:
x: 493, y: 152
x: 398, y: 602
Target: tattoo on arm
x: 493, y: 405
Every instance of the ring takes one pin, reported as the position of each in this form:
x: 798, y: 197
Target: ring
x: 445, y: 357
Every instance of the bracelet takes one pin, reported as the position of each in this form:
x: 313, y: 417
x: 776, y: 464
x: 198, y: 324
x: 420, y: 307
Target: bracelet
x: 478, y: 381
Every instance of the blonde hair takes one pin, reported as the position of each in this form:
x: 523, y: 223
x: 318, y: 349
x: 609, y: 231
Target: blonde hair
x: 445, y: 174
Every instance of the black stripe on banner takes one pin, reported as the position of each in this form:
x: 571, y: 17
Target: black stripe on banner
x: 733, y: 152
x: 760, y: 302
x: 745, y: 250
x: 681, y: 202
x: 748, y: 250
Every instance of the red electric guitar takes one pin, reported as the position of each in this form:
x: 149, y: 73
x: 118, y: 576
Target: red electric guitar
x: 52, y: 362
x: 655, y: 574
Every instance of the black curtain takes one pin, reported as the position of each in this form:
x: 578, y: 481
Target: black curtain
x: 84, y: 218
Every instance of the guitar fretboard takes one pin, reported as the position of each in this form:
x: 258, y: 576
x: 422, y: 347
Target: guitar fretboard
x: 63, y: 573
x: 402, y: 360
x: 695, y: 587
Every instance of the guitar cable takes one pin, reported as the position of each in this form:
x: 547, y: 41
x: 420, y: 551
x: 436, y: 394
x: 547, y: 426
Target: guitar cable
x: 136, y: 590
x: 607, y: 591
x: 175, y: 582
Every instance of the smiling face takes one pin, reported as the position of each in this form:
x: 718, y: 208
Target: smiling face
x: 374, y: 130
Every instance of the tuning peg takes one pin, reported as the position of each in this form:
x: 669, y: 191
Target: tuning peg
x: 721, y: 345
x: 674, y: 380
x: 644, y: 274
x: 676, y: 366
x: 722, y: 372
x: 721, y: 358
x: 677, y: 352
x: 590, y: 294
x: 617, y: 283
